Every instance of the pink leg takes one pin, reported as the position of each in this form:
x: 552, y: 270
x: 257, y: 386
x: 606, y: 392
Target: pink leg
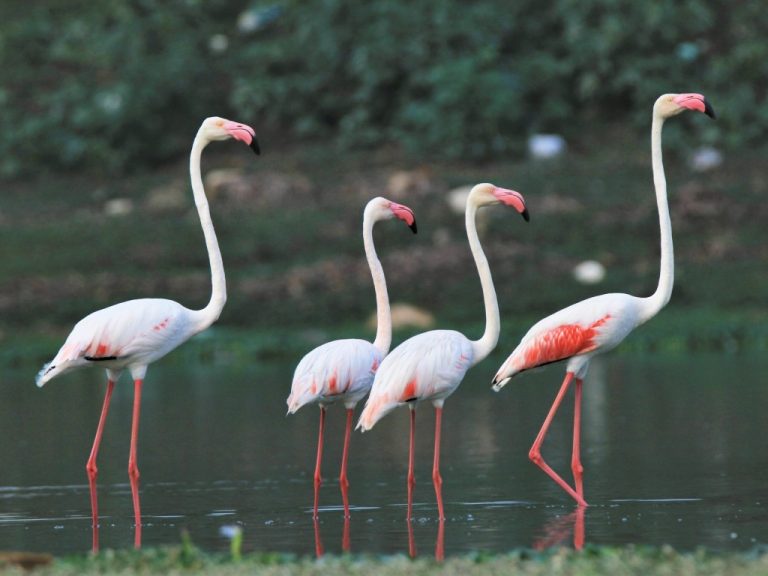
x: 345, y: 536
x: 133, y: 468
x: 343, y: 481
x: 319, y: 550
x: 440, y: 543
x: 91, y: 468
x: 436, y: 479
x: 411, y: 473
x: 318, y: 478
x: 535, y: 453
x: 411, y: 540
x: 578, y: 528
x: 578, y: 469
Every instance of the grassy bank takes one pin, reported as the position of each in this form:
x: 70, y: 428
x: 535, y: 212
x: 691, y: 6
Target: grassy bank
x: 629, y: 561
x: 289, y: 229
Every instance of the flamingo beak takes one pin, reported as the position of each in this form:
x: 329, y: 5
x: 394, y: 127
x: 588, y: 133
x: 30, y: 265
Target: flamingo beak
x: 708, y: 110
x: 693, y: 101
x: 243, y: 133
x: 514, y: 199
x: 405, y: 214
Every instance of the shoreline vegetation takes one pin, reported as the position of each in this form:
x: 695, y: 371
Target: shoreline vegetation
x: 288, y: 226
x: 187, y: 559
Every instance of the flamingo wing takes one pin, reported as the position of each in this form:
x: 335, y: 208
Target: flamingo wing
x: 137, y: 331
x: 592, y: 325
x: 337, y: 370
x: 428, y: 366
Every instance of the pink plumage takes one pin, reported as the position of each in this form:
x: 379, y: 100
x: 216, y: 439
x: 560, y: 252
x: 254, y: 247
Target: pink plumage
x: 428, y: 366
x: 338, y: 371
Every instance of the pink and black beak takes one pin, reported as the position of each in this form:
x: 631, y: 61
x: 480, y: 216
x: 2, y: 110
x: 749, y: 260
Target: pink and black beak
x: 698, y: 102
x: 243, y: 133
x: 513, y: 199
x: 405, y: 214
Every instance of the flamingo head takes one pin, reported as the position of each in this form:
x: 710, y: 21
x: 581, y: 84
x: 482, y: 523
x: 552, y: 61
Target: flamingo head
x: 215, y: 128
x: 669, y: 105
x: 487, y: 194
x: 383, y: 209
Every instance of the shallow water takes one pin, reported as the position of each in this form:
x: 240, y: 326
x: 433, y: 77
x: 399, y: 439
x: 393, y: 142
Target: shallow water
x: 675, y: 451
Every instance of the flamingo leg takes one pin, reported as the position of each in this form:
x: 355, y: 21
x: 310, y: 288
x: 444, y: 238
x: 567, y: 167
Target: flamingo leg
x: 578, y: 469
x: 440, y: 542
x: 318, y: 478
x: 91, y: 467
x: 411, y: 473
x: 346, y: 545
x: 578, y: 529
x: 319, y: 550
x: 411, y: 540
x: 436, y: 478
x: 343, y: 480
x: 133, y: 468
x: 535, y: 452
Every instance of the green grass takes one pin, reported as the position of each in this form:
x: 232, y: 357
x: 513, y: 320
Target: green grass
x: 629, y: 561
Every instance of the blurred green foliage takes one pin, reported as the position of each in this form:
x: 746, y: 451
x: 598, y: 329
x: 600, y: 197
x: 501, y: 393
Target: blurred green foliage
x: 91, y: 83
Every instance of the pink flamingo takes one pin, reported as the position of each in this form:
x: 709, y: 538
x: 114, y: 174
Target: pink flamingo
x: 598, y: 324
x: 342, y: 370
x: 135, y: 333
x: 431, y: 365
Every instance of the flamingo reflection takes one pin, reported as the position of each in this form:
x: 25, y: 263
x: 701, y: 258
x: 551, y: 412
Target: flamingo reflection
x: 557, y: 529
x: 439, y: 542
x: 345, y: 537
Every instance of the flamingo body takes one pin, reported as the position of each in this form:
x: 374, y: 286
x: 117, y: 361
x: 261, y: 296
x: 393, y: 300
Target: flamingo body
x: 600, y: 323
x: 343, y: 370
x: 130, y: 335
x: 428, y: 366
x: 338, y: 371
x: 578, y: 332
x: 135, y: 333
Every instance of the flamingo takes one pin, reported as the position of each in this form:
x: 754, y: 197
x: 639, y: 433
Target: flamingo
x: 342, y: 370
x: 598, y: 324
x: 135, y: 333
x: 431, y: 365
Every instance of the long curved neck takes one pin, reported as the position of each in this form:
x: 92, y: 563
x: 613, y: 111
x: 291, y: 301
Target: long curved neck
x: 490, y: 337
x: 211, y: 312
x: 383, y: 317
x: 659, y: 299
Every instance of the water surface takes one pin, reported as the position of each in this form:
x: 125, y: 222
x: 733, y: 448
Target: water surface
x: 675, y: 451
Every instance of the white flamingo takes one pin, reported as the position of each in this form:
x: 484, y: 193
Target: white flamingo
x: 431, y: 365
x: 343, y: 370
x: 135, y: 333
x: 600, y: 323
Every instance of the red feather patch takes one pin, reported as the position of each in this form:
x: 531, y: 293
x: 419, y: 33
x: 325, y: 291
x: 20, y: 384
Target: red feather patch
x: 561, y: 342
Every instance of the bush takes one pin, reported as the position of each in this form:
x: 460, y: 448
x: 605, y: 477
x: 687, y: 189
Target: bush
x: 109, y: 84
x: 448, y: 78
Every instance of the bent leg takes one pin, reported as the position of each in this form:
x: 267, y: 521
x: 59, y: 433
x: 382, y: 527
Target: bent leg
x: 535, y: 452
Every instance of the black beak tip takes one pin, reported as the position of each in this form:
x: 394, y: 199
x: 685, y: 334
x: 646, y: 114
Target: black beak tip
x: 255, y: 146
x: 525, y: 215
x: 708, y: 110
x: 413, y: 227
